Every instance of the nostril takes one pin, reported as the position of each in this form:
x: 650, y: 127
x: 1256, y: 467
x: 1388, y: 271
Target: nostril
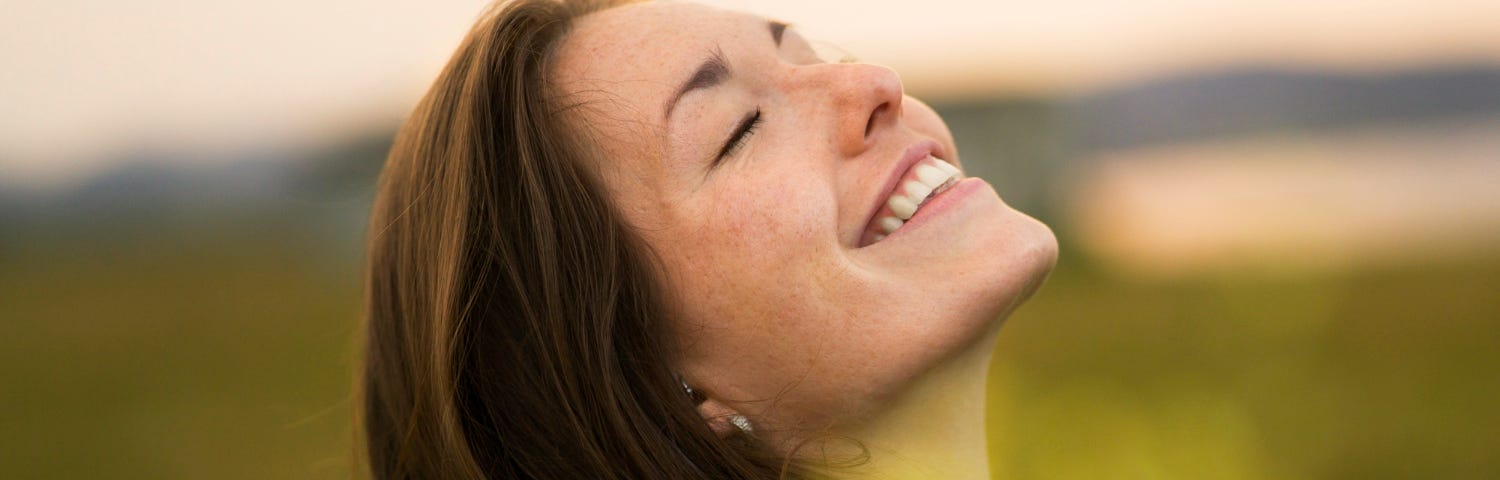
x: 875, y: 117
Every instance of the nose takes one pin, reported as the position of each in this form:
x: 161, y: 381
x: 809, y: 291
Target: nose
x: 865, y: 101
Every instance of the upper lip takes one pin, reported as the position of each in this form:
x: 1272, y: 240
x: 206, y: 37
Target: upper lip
x: 913, y: 154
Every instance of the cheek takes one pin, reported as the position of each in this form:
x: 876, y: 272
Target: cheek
x: 757, y: 240
x: 751, y: 263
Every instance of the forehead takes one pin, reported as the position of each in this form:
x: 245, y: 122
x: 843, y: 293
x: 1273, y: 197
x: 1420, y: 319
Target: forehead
x: 635, y: 56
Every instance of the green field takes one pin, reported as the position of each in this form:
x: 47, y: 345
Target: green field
x: 226, y: 352
x: 1358, y: 375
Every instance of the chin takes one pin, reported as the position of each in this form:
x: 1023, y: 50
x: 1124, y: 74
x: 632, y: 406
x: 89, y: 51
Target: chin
x: 1010, y: 256
x: 1029, y: 256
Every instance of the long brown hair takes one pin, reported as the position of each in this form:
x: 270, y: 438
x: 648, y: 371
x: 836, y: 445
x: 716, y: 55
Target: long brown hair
x: 514, y: 325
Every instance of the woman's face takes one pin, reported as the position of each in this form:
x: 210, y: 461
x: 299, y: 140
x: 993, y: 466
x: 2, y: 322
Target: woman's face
x: 762, y: 178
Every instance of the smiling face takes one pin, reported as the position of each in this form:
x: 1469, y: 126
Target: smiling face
x: 764, y: 179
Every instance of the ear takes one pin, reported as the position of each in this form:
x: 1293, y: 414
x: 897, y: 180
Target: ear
x: 717, y: 416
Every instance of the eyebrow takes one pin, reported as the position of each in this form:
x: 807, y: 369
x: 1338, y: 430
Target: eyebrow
x: 715, y: 70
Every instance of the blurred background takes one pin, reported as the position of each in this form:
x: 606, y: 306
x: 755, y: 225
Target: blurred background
x: 1279, y: 222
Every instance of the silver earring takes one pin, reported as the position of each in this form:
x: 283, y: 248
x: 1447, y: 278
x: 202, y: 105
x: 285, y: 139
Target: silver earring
x: 692, y: 395
x: 739, y: 421
x: 742, y: 423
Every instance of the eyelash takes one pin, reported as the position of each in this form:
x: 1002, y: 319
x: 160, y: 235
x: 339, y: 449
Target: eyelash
x: 741, y: 135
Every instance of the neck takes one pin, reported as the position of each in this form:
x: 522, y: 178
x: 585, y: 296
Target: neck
x: 937, y: 428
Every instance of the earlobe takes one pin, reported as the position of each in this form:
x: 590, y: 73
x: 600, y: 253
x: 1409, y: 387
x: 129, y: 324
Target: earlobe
x: 724, y: 421
x: 721, y: 419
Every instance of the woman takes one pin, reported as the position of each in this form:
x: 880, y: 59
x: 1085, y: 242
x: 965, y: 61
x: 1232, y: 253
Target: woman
x: 661, y: 240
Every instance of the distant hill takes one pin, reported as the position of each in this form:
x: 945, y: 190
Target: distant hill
x: 325, y: 191
x: 1259, y: 101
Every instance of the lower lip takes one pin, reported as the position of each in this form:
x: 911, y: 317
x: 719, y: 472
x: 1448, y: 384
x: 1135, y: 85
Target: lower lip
x: 942, y: 203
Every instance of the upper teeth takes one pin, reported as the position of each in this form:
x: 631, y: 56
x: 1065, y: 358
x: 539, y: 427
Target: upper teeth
x: 930, y: 177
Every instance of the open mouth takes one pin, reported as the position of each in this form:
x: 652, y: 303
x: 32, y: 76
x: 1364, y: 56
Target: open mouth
x: 924, y: 180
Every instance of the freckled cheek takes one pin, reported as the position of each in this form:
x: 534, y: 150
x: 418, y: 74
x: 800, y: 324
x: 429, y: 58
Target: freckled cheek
x: 751, y: 247
x: 771, y: 215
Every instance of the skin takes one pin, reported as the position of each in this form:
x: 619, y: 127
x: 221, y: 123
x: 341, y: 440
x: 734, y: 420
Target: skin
x: 780, y: 313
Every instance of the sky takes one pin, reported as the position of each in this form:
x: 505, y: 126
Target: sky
x: 88, y: 83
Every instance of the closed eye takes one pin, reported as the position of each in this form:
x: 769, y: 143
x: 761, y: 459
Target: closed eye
x: 741, y: 135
